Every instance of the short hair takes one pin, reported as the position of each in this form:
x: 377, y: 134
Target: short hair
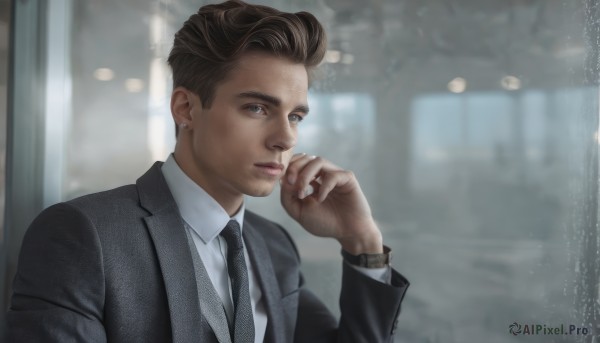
x: 208, y: 45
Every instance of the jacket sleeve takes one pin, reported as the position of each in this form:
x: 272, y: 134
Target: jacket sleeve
x: 369, y: 311
x: 58, y: 290
x: 369, y: 308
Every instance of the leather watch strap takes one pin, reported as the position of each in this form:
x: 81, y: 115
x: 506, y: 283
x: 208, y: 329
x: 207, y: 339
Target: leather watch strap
x: 369, y: 260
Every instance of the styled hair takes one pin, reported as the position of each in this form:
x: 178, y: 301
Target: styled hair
x: 210, y: 42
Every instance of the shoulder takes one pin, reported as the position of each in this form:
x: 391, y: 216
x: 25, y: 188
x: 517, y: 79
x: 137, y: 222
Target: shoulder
x: 108, y: 207
x: 121, y: 196
x: 95, y: 212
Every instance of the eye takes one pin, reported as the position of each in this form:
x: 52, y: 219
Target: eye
x: 256, y: 109
x: 295, y: 118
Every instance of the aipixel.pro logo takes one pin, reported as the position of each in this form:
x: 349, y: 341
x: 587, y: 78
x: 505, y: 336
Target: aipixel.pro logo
x: 516, y: 329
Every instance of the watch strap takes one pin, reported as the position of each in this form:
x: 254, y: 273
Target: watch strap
x: 369, y: 260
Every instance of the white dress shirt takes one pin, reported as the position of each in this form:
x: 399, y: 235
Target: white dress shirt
x: 206, y: 218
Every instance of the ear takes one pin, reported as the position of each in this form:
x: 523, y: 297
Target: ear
x: 182, y: 102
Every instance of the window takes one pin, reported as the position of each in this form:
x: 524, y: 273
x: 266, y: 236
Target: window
x: 472, y: 126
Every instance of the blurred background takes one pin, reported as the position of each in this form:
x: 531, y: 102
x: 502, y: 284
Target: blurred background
x: 472, y: 126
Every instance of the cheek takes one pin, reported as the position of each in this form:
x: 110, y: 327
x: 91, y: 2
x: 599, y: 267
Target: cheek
x: 214, y: 132
x: 232, y: 141
x: 225, y: 133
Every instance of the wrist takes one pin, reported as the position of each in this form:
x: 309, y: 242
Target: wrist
x: 369, y: 243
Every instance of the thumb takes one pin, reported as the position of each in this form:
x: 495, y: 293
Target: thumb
x: 288, y: 193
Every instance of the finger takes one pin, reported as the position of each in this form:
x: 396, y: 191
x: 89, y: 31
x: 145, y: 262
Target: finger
x: 313, y: 189
x: 295, y: 159
x: 297, y: 156
x: 331, y: 180
x: 289, y: 199
x: 288, y: 193
x: 288, y: 189
x: 327, y: 185
x: 309, y: 172
x: 294, y: 167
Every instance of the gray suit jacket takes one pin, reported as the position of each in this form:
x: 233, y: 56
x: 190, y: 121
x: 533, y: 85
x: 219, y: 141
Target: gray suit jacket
x: 115, y: 266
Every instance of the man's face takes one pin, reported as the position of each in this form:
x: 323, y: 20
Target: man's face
x: 243, y: 143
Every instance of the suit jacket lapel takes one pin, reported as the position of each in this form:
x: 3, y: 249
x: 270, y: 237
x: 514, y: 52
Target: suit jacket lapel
x: 168, y: 234
x: 261, y: 261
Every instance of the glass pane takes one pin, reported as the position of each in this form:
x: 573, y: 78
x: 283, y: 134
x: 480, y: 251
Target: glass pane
x: 469, y: 124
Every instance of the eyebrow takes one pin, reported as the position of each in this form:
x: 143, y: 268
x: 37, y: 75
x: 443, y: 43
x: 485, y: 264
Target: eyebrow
x: 271, y: 100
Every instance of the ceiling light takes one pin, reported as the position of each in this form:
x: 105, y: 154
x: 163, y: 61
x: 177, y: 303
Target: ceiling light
x: 457, y: 85
x: 104, y: 74
x: 333, y: 56
x: 510, y: 83
x: 134, y: 85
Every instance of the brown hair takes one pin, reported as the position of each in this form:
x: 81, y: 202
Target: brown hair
x: 208, y: 45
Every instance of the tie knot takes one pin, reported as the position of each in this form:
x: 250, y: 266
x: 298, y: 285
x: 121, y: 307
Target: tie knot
x: 233, y: 235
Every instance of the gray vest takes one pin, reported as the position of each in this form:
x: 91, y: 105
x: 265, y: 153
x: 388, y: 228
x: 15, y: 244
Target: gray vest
x: 210, y: 303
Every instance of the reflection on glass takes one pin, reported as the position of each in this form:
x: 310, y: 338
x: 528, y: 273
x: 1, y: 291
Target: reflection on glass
x: 468, y: 123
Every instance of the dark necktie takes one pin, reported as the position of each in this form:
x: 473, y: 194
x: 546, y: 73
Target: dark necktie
x: 242, y: 330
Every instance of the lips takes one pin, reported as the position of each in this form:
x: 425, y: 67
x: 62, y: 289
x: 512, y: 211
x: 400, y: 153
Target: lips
x: 270, y: 169
x: 272, y: 165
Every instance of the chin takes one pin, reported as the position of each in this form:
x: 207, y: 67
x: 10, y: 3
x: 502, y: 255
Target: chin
x: 260, y: 190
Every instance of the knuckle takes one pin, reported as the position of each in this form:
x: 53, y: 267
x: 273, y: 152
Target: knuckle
x: 302, y: 179
x: 292, y: 168
x: 330, y: 187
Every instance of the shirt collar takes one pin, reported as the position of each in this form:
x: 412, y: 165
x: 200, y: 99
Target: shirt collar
x: 199, y: 210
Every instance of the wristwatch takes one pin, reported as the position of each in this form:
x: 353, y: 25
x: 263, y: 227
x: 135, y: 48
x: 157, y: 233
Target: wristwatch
x: 369, y: 260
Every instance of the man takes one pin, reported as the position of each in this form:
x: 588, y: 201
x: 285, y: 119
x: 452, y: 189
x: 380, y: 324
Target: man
x: 163, y: 260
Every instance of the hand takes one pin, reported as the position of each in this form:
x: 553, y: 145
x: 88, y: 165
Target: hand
x: 337, y: 208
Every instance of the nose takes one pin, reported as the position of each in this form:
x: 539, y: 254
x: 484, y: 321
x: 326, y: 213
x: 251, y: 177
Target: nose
x: 282, y: 136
